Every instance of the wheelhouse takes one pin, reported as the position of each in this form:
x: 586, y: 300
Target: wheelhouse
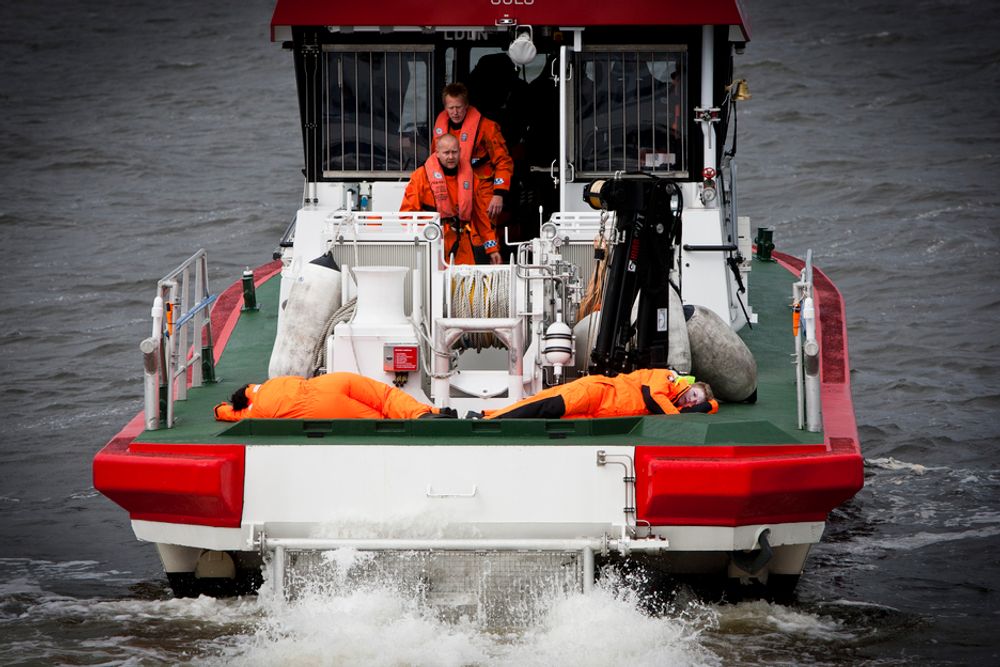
x: 602, y: 89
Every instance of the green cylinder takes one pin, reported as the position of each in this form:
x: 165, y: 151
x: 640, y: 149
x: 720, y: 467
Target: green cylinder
x: 208, y: 365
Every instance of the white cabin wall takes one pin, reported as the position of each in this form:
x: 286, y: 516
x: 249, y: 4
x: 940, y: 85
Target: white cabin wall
x: 705, y: 277
x: 503, y: 491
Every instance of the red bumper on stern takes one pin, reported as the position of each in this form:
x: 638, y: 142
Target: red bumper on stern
x: 741, y: 485
x: 174, y: 483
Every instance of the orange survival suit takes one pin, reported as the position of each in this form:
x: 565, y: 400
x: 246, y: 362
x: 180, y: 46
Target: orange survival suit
x: 481, y: 144
x: 432, y: 188
x: 331, y: 396
x: 648, y: 391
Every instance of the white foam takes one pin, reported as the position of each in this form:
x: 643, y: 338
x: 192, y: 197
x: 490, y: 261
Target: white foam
x: 859, y: 603
x: 365, y: 627
x: 761, y: 617
x: 603, y: 628
x: 214, y: 610
x: 375, y: 625
x: 889, y: 463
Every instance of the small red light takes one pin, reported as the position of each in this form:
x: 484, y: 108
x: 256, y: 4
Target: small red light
x: 708, y: 173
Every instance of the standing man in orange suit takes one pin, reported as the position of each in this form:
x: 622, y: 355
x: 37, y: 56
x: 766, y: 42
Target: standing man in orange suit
x: 442, y: 185
x: 482, y: 147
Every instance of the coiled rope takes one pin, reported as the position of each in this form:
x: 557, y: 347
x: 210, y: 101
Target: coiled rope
x: 479, y: 294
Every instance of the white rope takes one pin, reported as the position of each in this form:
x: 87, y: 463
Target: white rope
x: 342, y: 314
x: 480, y: 294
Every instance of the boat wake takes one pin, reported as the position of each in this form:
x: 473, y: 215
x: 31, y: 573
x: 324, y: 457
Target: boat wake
x: 377, y: 624
x: 45, y: 603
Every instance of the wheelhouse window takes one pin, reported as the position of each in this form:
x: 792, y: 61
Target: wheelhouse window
x: 629, y: 110
x: 377, y: 109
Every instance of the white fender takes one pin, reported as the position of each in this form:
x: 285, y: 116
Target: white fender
x: 584, y: 335
x: 678, y: 345
x: 312, y: 299
x: 720, y: 357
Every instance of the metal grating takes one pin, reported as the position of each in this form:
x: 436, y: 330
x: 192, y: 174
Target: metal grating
x: 496, y: 589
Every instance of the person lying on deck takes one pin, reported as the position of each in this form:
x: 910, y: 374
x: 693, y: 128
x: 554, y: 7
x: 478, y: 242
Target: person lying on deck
x: 656, y: 391
x: 330, y: 396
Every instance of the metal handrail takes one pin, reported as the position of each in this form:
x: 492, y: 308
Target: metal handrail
x: 181, y: 339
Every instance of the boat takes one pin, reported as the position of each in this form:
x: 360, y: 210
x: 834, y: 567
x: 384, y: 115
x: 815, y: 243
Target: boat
x: 623, y: 248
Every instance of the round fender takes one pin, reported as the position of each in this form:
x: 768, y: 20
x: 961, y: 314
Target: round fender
x: 720, y: 357
x: 678, y: 345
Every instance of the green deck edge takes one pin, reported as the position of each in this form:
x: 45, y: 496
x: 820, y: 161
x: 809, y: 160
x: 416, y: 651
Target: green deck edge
x: 771, y: 421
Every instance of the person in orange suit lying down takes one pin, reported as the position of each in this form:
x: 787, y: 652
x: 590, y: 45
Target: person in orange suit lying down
x: 656, y: 391
x: 330, y: 396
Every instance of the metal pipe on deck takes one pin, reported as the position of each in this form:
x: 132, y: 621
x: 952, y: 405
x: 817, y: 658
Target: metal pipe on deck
x: 588, y: 569
x: 707, y: 98
x: 475, y: 544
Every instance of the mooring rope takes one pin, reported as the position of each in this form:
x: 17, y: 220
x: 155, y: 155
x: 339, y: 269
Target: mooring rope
x: 342, y: 314
x: 479, y: 294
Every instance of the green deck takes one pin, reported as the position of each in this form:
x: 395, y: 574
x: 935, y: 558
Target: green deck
x: 772, y: 420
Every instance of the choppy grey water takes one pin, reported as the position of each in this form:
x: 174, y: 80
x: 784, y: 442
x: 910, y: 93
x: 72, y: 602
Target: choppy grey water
x: 131, y: 135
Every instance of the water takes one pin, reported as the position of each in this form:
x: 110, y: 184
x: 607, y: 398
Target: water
x: 131, y: 135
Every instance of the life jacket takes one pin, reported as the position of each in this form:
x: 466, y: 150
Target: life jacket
x: 467, y: 135
x: 439, y: 189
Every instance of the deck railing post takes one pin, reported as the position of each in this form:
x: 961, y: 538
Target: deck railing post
x: 181, y: 341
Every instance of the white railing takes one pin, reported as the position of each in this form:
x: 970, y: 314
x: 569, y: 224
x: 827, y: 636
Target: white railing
x: 807, y: 382
x: 181, y: 339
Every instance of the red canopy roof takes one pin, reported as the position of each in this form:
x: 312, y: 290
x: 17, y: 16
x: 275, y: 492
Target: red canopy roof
x: 488, y: 12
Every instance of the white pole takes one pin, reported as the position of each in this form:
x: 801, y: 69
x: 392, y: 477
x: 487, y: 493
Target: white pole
x: 563, y: 125
x: 588, y: 569
x: 150, y: 349
x: 707, y: 101
x: 811, y: 350
x: 278, y: 572
x: 472, y: 544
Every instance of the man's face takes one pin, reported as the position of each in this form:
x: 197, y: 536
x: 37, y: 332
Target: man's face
x: 692, y: 396
x: 455, y: 107
x: 447, y: 151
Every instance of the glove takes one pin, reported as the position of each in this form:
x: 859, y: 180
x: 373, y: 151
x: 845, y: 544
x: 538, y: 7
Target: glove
x: 445, y: 413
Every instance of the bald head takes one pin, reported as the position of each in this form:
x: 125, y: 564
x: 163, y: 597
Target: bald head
x: 446, y: 149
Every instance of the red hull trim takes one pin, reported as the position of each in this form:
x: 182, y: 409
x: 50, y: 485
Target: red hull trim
x: 200, y: 485
x: 525, y: 12
x: 733, y: 486
x: 181, y: 483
